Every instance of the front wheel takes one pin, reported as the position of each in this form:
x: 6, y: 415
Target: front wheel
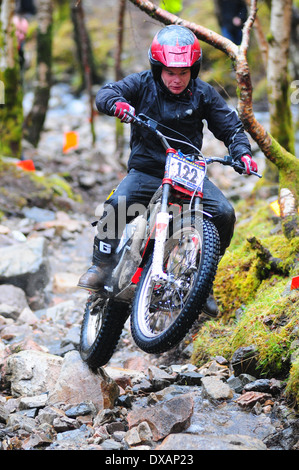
x: 164, y: 311
x: 101, y: 328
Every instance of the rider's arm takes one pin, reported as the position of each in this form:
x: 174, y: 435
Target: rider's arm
x: 125, y: 91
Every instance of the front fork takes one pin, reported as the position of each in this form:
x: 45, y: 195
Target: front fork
x: 162, y: 223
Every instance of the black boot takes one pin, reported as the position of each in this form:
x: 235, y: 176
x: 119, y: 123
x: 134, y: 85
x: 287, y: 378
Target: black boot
x: 211, y: 308
x: 95, y: 278
x: 103, y: 262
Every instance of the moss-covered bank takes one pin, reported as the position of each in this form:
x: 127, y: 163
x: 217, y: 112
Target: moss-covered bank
x: 258, y: 306
x: 19, y: 188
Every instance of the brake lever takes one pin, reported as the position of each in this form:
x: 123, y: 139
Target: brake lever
x: 241, y: 167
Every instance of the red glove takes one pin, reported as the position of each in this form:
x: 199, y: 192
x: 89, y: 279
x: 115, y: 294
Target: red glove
x: 250, y: 165
x: 119, y: 111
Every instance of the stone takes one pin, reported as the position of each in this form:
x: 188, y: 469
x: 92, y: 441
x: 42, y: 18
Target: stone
x: 214, y: 368
x: 25, y: 265
x: 48, y: 415
x: 19, y: 421
x: 215, y: 389
x: 65, y: 282
x: 77, y: 383
x: 244, y: 360
x: 260, y: 385
x: 249, y: 399
x: 82, y: 409
x: 12, y: 301
x: 132, y: 437
x: 57, y: 312
x: 174, y: 415
x: 32, y: 372
x: 189, y: 378
x: 37, y: 401
x: 210, y: 442
x: 235, y: 383
x: 145, y: 432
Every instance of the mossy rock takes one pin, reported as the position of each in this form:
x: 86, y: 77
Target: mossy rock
x: 21, y: 188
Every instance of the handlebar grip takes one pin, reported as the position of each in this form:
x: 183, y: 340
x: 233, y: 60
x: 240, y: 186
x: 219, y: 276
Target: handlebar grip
x: 238, y: 166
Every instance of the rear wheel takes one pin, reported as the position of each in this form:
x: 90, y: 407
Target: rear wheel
x: 164, y: 311
x: 101, y: 329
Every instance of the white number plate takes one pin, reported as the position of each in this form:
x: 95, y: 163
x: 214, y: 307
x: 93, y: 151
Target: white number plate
x: 189, y: 174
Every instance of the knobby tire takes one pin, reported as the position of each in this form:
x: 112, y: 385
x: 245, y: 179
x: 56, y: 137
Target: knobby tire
x: 196, y: 299
x: 113, y: 317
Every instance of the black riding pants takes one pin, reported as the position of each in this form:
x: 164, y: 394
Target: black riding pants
x: 131, y: 198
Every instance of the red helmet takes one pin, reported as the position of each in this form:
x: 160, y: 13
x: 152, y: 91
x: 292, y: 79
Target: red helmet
x: 175, y: 46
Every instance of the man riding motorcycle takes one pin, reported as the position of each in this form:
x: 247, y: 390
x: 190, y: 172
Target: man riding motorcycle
x: 172, y: 94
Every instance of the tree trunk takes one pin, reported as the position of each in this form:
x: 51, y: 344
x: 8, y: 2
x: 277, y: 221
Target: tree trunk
x: 281, y: 123
x: 11, y: 94
x: 119, y: 131
x: 80, y: 29
x: 84, y: 44
x: 286, y: 162
x: 35, y: 120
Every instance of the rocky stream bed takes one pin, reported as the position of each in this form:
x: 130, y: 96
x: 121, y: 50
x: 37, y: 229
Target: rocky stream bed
x: 49, y: 399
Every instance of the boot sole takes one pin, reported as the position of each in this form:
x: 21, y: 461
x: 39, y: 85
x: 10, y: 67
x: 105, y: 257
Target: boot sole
x: 91, y: 289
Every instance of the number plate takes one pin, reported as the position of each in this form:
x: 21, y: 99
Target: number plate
x: 188, y: 174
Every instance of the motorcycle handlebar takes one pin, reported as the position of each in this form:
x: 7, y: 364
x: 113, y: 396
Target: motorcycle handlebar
x: 150, y: 124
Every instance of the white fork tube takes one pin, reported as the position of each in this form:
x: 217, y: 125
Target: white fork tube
x: 162, y: 222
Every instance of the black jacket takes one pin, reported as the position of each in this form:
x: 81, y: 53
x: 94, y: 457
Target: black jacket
x: 184, y: 113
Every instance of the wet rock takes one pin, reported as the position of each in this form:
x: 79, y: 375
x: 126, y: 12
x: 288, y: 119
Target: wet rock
x: 215, y: 389
x: 261, y: 385
x: 210, y: 442
x: 235, y: 383
x: 159, y: 378
x: 249, y: 399
x: 285, y: 439
x: 189, y: 378
x: 171, y: 416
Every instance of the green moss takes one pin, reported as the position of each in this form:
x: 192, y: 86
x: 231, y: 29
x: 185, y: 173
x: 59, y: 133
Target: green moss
x: 281, y: 122
x: 255, y: 310
x: 20, y: 188
x: 292, y: 389
x: 11, y: 113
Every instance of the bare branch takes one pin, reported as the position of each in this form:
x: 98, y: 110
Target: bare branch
x: 247, y: 27
x: 205, y: 34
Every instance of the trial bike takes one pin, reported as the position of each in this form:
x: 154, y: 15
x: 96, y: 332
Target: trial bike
x: 168, y: 259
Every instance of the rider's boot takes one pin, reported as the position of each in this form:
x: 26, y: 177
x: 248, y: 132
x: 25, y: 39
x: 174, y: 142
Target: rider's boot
x: 211, y: 308
x: 97, y: 275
